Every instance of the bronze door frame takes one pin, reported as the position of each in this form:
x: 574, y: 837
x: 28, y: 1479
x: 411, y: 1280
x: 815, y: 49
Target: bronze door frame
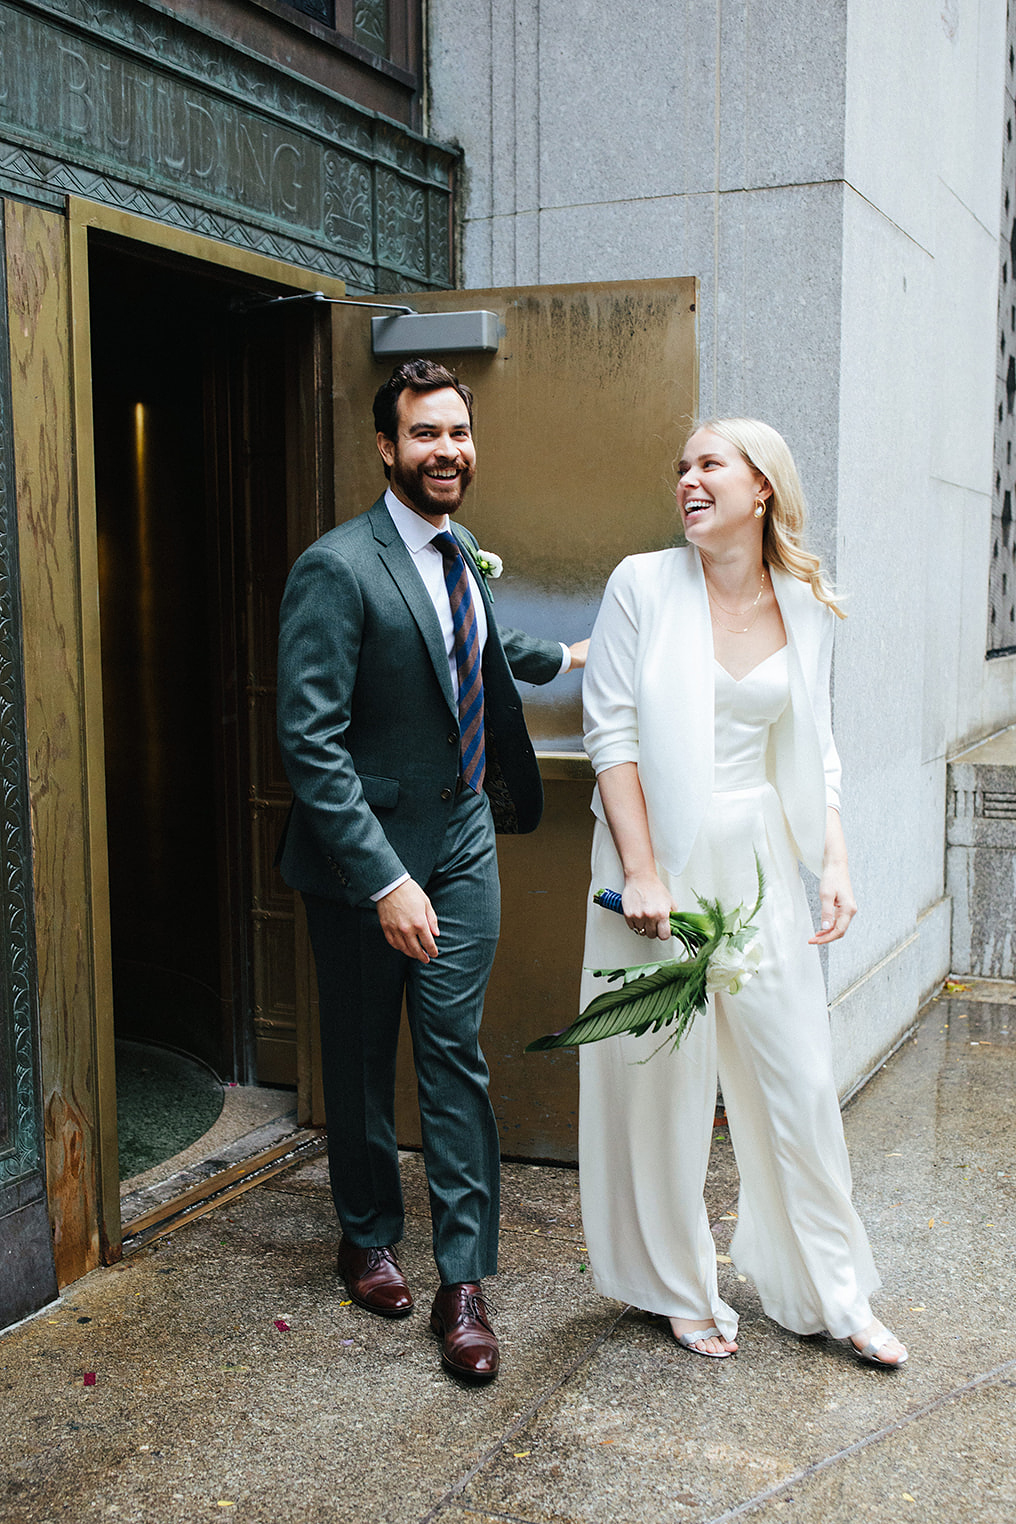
x: 84, y: 216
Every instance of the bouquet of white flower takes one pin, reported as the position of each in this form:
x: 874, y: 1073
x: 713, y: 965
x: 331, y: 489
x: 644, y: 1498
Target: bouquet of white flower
x: 721, y: 950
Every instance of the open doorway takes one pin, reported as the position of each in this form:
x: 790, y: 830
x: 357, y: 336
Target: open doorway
x: 199, y: 455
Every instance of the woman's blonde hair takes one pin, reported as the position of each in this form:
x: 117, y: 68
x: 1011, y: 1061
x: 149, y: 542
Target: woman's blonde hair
x: 767, y: 452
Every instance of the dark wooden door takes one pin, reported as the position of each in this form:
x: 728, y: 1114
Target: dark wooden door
x: 207, y: 485
x: 280, y: 406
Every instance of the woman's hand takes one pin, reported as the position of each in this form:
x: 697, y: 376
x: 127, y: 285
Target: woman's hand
x: 835, y: 894
x: 647, y: 906
x: 644, y: 898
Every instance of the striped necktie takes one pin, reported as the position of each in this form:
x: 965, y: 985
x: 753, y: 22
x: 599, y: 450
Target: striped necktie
x: 467, y: 660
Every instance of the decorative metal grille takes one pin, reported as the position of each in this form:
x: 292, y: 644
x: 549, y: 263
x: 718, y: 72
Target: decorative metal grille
x: 370, y: 25
x: 981, y: 804
x: 1002, y: 583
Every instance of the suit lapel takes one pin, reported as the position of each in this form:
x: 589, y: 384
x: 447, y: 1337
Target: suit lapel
x: 399, y: 564
x: 467, y: 545
x: 478, y: 580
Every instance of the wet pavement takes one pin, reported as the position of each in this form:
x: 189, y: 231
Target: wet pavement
x: 230, y: 1381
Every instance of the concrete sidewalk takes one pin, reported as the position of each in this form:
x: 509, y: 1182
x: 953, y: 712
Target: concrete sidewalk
x: 204, y: 1407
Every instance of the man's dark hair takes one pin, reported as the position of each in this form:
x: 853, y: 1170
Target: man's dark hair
x: 419, y: 376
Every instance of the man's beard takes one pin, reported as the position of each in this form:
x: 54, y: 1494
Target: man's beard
x: 415, y: 488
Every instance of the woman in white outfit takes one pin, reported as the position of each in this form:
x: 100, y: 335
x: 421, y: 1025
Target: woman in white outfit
x: 707, y: 722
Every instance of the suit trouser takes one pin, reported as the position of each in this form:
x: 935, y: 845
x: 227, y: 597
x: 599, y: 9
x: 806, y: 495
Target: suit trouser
x: 361, y: 981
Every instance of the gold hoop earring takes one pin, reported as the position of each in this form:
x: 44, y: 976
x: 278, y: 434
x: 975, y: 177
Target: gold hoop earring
x: 760, y: 508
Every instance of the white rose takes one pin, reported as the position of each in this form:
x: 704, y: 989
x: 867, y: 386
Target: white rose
x: 490, y: 564
x: 731, y: 967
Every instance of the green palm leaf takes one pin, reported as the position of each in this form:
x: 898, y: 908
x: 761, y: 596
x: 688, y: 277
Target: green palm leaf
x: 669, y: 996
x: 672, y: 994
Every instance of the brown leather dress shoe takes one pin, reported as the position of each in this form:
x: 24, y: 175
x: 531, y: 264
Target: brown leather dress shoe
x: 460, y: 1319
x: 374, y: 1280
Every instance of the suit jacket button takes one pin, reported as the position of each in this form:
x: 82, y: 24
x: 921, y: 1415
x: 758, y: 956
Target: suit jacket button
x: 453, y: 739
x: 446, y: 793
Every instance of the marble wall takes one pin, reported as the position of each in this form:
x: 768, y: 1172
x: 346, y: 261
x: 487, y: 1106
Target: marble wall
x: 832, y: 176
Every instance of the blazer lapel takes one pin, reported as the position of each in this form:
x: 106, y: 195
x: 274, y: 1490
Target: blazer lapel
x: 794, y: 750
x: 673, y: 691
x: 676, y: 709
x: 493, y: 641
x: 399, y: 565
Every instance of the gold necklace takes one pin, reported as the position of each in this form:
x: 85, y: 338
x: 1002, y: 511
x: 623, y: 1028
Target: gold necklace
x: 738, y: 613
x: 743, y: 630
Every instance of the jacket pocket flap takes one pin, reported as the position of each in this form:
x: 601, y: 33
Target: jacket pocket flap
x: 380, y: 793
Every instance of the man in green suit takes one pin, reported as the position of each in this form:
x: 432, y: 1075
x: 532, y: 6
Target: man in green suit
x: 401, y: 726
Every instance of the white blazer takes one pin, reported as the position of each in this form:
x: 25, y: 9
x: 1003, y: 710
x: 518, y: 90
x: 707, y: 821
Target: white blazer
x: 648, y: 698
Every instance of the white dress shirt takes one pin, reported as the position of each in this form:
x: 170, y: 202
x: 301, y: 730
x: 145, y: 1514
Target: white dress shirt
x: 417, y: 534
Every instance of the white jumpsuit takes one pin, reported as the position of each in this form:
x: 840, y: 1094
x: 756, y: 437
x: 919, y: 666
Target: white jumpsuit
x: 645, y: 1128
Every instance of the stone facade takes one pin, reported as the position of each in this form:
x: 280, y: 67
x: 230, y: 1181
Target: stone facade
x: 831, y: 175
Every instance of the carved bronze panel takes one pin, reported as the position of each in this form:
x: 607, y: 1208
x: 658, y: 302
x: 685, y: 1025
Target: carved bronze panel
x: 370, y: 25
x: 27, y: 1278
x: 123, y: 104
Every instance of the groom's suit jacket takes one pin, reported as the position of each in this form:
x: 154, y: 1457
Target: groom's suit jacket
x: 367, y: 718
x: 648, y: 696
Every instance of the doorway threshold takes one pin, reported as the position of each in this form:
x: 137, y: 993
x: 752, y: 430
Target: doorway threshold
x: 230, y: 1158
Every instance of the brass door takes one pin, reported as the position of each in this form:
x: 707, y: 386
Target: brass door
x: 579, y: 417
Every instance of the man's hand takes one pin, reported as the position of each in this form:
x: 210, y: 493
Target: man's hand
x: 408, y: 921
x: 577, y: 652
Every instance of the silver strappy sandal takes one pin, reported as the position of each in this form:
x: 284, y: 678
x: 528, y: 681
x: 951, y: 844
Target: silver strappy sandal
x: 689, y: 1341
x: 870, y: 1351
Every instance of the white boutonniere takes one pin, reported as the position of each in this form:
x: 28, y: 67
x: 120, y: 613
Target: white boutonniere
x: 488, y: 564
